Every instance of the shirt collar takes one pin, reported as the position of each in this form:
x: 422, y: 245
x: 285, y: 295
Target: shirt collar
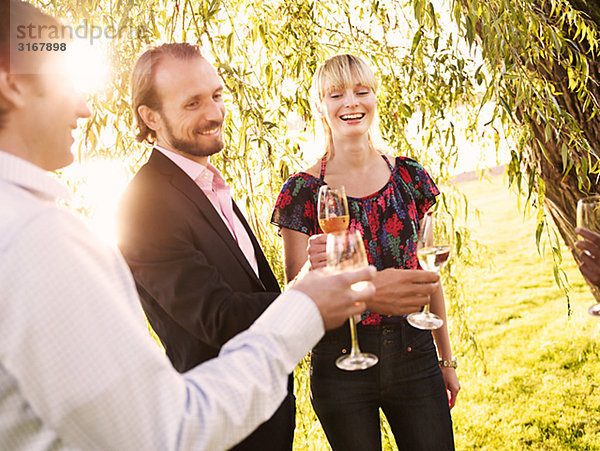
x: 22, y: 173
x: 190, y: 167
x: 207, y: 177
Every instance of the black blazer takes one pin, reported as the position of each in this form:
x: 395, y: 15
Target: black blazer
x: 196, y: 287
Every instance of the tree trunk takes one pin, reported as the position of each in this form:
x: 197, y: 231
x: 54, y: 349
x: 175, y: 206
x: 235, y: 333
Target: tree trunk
x: 562, y: 192
x: 543, y: 155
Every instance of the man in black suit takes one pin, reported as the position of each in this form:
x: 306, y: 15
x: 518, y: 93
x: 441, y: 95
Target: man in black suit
x: 199, y: 270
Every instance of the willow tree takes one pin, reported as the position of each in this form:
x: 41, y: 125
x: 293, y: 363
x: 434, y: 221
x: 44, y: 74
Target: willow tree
x: 266, y: 53
x: 534, y: 61
x: 542, y: 70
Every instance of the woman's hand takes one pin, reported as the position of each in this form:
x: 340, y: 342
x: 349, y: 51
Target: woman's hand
x: 452, y: 384
x: 316, y: 249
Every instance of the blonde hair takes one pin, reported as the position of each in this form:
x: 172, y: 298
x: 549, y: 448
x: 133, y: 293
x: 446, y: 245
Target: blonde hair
x: 340, y: 72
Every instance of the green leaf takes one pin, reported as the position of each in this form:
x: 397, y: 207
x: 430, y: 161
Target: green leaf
x: 431, y: 13
x: 538, y: 234
x: 229, y: 45
x: 416, y: 40
x: 213, y: 8
x: 506, y: 106
x: 470, y: 30
x: 419, y: 10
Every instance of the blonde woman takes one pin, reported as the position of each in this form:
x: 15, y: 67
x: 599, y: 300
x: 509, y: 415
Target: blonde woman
x: 414, y: 383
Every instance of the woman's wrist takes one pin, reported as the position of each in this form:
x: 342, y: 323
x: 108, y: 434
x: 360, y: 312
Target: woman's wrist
x: 448, y: 363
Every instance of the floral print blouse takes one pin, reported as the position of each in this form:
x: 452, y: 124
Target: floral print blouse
x: 387, y: 219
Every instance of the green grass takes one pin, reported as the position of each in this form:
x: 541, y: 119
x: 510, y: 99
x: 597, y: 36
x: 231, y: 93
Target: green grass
x: 539, y: 384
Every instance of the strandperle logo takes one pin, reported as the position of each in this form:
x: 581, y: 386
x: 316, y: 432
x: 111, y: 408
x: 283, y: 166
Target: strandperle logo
x: 85, y: 31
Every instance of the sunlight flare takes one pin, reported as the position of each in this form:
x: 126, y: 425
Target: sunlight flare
x: 87, y: 66
x: 98, y: 185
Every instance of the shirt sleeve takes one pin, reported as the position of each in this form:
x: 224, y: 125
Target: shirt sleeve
x: 420, y: 184
x: 296, y: 205
x: 77, y: 345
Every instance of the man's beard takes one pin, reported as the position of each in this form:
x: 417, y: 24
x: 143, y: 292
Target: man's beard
x: 191, y: 147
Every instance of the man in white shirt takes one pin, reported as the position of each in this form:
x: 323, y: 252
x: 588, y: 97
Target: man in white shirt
x: 78, y: 369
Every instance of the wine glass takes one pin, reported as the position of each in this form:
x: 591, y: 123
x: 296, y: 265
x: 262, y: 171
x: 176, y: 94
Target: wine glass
x: 345, y: 250
x: 432, y: 257
x: 588, y: 216
x: 332, y: 209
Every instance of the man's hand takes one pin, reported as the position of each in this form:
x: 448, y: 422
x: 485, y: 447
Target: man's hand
x: 590, y: 257
x: 402, y: 291
x: 398, y: 291
x: 333, y: 295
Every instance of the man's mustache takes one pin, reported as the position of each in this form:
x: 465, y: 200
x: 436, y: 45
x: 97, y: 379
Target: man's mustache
x: 209, y: 126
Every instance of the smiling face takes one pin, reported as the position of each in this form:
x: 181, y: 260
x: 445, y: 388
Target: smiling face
x: 345, y: 89
x: 191, y: 113
x: 53, y: 108
x: 44, y: 112
x: 350, y: 111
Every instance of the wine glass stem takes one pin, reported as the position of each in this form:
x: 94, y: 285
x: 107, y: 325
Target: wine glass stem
x: 426, y: 306
x: 353, y: 337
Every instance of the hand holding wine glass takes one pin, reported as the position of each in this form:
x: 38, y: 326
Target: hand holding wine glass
x: 432, y: 256
x: 344, y: 250
x: 335, y: 295
x: 588, y: 221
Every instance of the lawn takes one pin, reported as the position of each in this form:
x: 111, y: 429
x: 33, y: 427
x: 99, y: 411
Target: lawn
x: 538, y: 386
x: 541, y: 389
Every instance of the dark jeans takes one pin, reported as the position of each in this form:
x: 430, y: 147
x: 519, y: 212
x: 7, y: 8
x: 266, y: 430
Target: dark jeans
x: 406, y: 384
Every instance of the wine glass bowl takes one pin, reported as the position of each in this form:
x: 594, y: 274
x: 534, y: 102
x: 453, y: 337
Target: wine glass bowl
x: 588, y: 217
x: 345, y: 250
x: 432, y: 256
x: 332, y: 207
x: 588, y: 213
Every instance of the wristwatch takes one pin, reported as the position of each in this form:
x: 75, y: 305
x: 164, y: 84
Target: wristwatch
x: 449, y: 363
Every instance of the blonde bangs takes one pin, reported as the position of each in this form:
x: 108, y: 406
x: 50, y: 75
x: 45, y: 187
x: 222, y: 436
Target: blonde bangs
x: 343, y: 71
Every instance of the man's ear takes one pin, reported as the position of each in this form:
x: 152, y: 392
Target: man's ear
x: 150, y: 117
x: 12, y: 91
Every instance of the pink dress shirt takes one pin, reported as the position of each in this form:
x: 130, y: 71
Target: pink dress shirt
x: 218, y: 192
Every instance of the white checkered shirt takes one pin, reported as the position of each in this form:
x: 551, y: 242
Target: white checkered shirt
x: 78, y: 369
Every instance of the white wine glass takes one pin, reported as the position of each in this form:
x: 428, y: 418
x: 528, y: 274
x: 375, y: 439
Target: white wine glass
x: 332, y: 207
x: 345, y: 250
x: 588, y: 217
x: 432, y: 256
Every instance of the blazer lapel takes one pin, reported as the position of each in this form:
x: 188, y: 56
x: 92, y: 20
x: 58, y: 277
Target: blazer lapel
x: 266, y: 274
x: 188, y: 188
